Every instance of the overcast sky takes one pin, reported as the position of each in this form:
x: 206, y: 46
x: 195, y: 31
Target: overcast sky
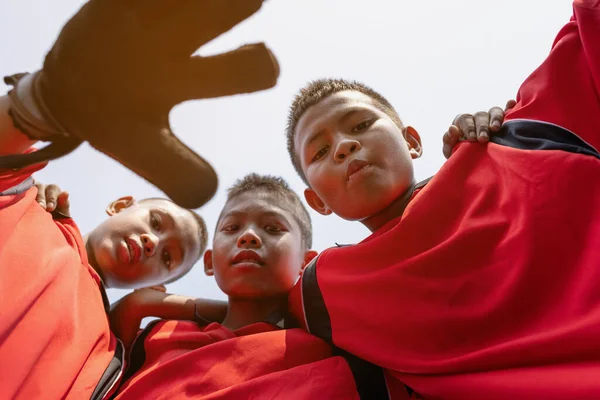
x: 432, y: 59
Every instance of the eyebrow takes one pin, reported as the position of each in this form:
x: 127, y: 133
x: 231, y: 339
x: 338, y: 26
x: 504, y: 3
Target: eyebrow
x: 263, y: 214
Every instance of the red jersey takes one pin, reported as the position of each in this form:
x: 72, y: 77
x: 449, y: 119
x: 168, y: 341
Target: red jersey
x: 180, y: 360
x: 487, y: 287
x: 55, y: 340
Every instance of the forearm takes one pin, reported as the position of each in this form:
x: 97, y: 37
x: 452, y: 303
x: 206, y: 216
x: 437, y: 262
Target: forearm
x: 12, y: 141
x: 173, y: 306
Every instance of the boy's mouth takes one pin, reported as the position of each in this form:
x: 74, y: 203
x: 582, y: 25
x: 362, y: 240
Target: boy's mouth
x: 355, y: 166
x: 247, y: 257
x: 135, y: 251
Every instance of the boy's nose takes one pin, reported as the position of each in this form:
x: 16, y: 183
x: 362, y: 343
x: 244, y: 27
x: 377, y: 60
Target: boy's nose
x: 149, y: 243
x: 249, y: 240
x: 344, y: 148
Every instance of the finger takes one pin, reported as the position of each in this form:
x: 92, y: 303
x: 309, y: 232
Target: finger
x: 466, y: 125
x: 63, y: 205
x: 450, y: 139
x: 188, y: 24
x: 482, y: 126
x: 247, y: 69
x: 496, y: 118
x: 41, y: 195
x: 52, y: 192
x: 510, y: 104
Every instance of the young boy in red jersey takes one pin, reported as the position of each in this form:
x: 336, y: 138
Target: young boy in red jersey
x: 518, y: 316
x: 262, y: 241
x: 52, y: 281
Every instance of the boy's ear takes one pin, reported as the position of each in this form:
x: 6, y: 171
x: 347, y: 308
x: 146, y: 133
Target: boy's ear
x: 119, y: 205
x: 315, y: 202
x: 208, y: 265
x: 413, y: 139
x: 308, y: 256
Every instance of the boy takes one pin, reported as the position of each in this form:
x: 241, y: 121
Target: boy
x: 52, y: 282
x: 519, y: 317
x: 262, y: 242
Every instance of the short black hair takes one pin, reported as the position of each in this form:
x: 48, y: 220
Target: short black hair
x: 278, y: 186
x: 318, y: 90
x: 202, y: 236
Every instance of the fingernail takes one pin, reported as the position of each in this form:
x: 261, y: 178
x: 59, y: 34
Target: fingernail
x: 496, y: 124
x: 50, y: 204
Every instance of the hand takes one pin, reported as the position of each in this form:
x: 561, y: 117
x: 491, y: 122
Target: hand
x: 53, y: 199
x: 117, y: 69
x: 477, y: 127
x: 126, y: 315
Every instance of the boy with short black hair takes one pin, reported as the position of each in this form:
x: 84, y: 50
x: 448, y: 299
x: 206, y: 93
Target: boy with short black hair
x: 517, y: 317
x: 262, y: 242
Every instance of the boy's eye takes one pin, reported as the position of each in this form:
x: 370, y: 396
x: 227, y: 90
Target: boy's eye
x: 166, y: 258
x: 363, y: 125
x: 229, y: 228
x: 319, y: 153
x: 155, y: 221
x: 273, y: 229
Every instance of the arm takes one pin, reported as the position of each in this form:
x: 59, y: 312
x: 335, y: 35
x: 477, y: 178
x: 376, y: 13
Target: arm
x: 126, y: 315
x: 12, y: 141
x: 564, y: 90
x: 587, y: 15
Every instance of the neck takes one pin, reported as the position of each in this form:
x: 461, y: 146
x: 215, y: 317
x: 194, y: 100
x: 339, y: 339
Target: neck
x: 246, y: 311
x: 394, y: 210
x: 92, y: 258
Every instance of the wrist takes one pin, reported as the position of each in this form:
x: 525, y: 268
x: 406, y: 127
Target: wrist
x: 27, y: 109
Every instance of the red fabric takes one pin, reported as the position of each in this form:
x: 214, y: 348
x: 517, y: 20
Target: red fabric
x: 11, y: 178
x: 565, y: 89
x: 258, y: 361
x: 55, y: 340
x: 488, y: 286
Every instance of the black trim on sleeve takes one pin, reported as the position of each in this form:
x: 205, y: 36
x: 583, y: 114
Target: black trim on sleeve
x: 137, y: 354
x: 315, y: 312
x: 369, y: 378
x: 537, y: 135
x: 105, y: 300
x: 111, y: 374
x: 20, y: 188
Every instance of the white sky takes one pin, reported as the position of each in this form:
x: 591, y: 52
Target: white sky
x: 431, y: 59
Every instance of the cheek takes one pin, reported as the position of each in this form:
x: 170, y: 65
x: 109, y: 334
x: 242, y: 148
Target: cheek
x: 289, y: 260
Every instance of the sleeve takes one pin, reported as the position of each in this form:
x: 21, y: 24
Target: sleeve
x: 587, y: 15
x: 565, y: 89
x: 18, y: 181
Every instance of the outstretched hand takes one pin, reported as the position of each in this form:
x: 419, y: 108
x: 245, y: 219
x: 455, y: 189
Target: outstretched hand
x: 119, y: 67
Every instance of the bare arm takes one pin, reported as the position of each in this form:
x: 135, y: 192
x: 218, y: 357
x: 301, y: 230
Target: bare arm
x: 12, y: 141
x: 126, y: 315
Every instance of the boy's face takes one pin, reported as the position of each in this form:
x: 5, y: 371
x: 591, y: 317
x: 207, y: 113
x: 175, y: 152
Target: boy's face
x: 355, y: 158
x: 143, y: 244
x: 257, y: 248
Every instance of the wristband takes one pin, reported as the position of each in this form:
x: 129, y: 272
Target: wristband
x: 28, y: 111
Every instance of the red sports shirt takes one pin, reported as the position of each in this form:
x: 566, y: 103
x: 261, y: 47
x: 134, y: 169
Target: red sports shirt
x: 180, y: 360
x: 488, y: 287
x: 55, y: 340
